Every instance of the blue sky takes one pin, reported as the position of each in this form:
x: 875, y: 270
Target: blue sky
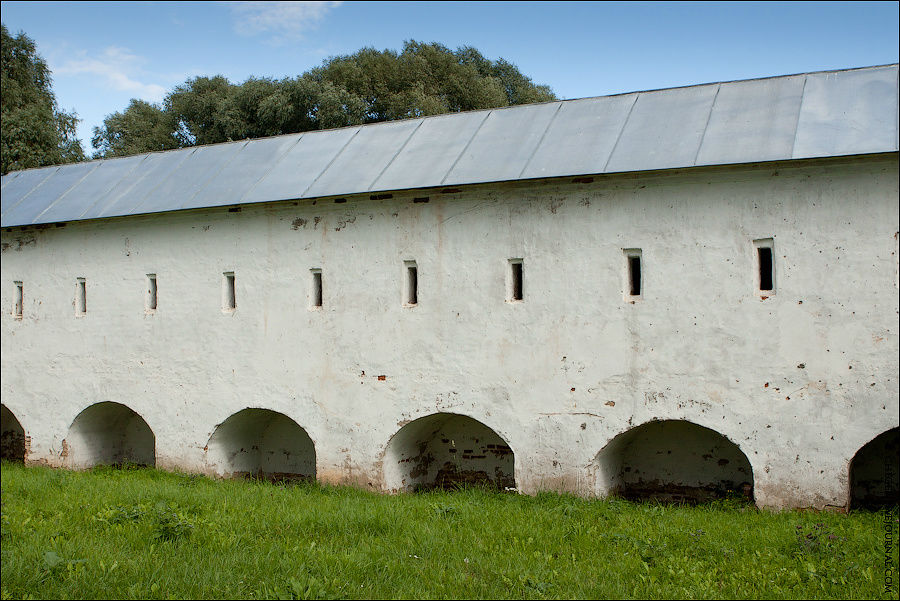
x: 102, y: 54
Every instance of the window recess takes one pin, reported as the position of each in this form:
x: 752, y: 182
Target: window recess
x: 515, y: 291
x: 410, y: 284
x: 315, y: 290
x: 634, y: 274
x: 764, y: 252
x: 229, y: 296
x: 80, y: 297
x: 20, y: 302
x: 152, y: 299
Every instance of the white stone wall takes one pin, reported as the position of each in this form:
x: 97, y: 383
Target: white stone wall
x: 799, y: 380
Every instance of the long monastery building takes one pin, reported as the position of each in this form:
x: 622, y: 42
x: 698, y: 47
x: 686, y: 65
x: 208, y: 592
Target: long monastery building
x: 679, y: 293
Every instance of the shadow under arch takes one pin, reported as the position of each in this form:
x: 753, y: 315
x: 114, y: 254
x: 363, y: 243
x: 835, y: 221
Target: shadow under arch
x: 674, y: 461
x: 261, y: 443
x: 874, y: 472
x: 445, y: 451
x: 109, y: 433
x: 12, y: 439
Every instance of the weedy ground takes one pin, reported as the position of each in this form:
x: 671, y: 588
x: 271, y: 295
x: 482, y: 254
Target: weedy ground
x: 141, y: 533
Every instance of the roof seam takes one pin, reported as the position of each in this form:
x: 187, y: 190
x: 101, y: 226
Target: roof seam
x: 272, y: 167
x: 214, y: 174
x: 538, y: 145
x: 396, y: 154
x: 110, y: 188
x: 63, y: 195
x: 799, y: 113
x: 27, y: 194
x: 159, y: 182
x: 330, y: 163
x: 621, y: 131
x: 112, y: 198
x: 465, y: 148
x: 712, y: 107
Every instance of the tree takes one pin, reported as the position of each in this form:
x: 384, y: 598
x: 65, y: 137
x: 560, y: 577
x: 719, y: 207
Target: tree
x: 142, y: 127
x: 365, y: 87
x: 35, y: 132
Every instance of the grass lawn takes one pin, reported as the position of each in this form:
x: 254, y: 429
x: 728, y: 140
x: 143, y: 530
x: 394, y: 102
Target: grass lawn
x: 143, y: 533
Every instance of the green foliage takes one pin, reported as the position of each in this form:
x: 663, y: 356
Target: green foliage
x: 142, y: 127
x: 150, y: 534
x: 35, y: 132
x: 170, y: 524
x: 366, y: 87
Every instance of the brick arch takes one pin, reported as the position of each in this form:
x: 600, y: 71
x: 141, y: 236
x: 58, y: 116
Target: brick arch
x: 109, y: 433
x: 12, y: 443
x: 445, y: 451
x: 674, y: 460
x: 874, y: 472
x: 261, y: 443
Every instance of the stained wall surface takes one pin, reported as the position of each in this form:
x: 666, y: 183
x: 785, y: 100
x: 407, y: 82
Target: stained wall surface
x: 799, y: 378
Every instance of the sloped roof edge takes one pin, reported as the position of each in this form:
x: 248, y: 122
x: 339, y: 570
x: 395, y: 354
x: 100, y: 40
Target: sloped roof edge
x: 808, y: 115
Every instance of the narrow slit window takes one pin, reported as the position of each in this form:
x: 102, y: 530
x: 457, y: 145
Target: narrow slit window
x: 411, y: 287
x: 765, y: 268
x: 633, y: 274
x: 765, y: 261
x: 516, y: 290
x: 151, y: 292
x: 229, y: 298
x: 315, y: 293
x: 634, y: 271
x: 19, y: 301
x: 80, y: 296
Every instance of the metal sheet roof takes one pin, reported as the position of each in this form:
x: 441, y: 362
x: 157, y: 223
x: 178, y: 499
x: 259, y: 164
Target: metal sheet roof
x: 836, y: 113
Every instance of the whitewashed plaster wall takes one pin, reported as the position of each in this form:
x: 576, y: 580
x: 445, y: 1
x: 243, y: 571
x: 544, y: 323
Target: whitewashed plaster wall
x: 799, y: 381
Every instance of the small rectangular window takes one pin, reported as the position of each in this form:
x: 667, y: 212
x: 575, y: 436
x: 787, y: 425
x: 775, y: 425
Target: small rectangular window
x: 19, y: 301
x: 80, y: 297
x: 515, y: 284
x: 765, y: 266
x: 633, y: 274
x: 151, y: 292
x: 411, y: 284
x: 315, y: 292
x: 229, y: 298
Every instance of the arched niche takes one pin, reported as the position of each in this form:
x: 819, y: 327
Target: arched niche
x: 260, y: 443
x: 674, y: 461
x: 110, y: 434
x: 12, y: 440
x: 446, y: 451
x: 874, y: 472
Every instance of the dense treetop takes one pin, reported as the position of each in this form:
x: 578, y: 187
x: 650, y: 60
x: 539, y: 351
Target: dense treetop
x: 35, y: 132
x: 366, y: 87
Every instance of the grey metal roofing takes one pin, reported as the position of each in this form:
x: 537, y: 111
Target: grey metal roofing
x: 824, y: 114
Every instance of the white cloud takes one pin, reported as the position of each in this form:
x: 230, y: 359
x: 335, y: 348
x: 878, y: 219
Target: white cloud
x: 118, y: 67
x: 285, y: 21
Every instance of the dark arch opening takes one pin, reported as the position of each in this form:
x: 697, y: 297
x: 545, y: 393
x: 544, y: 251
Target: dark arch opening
x: 446, y: 451
x: 675, y: 461
x: 110, y: 434
x: 874, y: 472
x: 259, y: 443
x: 12, y: 440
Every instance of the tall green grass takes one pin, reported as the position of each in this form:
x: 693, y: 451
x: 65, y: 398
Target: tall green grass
x: 149, y: 534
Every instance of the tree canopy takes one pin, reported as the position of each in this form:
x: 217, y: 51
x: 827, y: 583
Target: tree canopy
x: 365, y: 87
x: 35, y: 132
